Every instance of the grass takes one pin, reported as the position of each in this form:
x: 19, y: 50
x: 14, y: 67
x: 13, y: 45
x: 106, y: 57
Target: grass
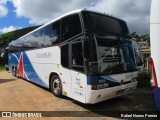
x: 2, y: 68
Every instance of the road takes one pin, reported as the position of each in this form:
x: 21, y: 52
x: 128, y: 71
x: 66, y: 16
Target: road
x: 19, y: 95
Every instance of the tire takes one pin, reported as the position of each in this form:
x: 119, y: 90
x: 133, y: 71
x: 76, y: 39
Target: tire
x: 56, y: 86
x: 7, y: 69
x: 14, y: 71
x: 17, y: 74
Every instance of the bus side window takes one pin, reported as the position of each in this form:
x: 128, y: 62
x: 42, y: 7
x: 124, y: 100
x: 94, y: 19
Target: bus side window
x: 71, y: 26
x: 52, y: 34
x: 137, y: 58
x: 77, y: 57
x: 28, y: 42
x: 65, y: 56
x: 39, y: 38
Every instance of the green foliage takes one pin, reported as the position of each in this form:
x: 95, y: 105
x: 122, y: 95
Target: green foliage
x: 8, y: 37
x: 2, y: 68
x: 141, y: 37
x: 144, y: 80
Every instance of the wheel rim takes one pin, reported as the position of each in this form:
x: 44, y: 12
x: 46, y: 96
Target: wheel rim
x: 14, y: 72
x: 57, y: 86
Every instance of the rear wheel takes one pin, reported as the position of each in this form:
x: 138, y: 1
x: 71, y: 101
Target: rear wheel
x: 56, y: 86
x: 17, y: 74
x: 14, y: 71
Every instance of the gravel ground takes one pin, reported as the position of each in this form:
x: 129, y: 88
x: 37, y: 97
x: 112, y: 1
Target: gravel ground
x: 20, y: 95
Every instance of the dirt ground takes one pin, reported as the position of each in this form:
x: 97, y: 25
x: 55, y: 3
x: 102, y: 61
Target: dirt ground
x: 20, y: 95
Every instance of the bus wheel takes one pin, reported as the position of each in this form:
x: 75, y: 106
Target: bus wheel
x: 14, y: 71
x: 56, y: 86
x: 17, y: 75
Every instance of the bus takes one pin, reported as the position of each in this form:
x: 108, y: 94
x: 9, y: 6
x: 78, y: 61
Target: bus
x: 138, y: 56
x: 83, y: 54
x: 5, y: 56
x: 155, y: 59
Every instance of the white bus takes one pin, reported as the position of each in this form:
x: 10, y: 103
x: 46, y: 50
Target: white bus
x: 155, y: 49
x: 84, y: 55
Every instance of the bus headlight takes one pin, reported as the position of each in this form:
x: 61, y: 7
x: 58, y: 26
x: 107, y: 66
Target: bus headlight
x: 100, y: 86
x: 106, y: 85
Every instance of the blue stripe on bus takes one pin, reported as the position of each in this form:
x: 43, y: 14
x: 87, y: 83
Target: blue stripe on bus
x: 31, y: 73
x: 13, y: 60
x: 109, y: 78
x: 94, y: 80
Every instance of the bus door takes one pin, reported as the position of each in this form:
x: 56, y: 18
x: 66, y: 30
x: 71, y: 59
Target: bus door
x: 77, y: 71
x: 66, y: 72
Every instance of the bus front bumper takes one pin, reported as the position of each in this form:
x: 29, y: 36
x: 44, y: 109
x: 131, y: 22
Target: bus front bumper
x: 95, y: 96
x: 156, y: 97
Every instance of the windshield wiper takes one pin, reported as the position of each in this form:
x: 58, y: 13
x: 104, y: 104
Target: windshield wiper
x: 100, y: 61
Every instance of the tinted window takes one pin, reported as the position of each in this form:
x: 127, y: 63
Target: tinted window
x: 137, y: 53
x: 71, y: 26
x: 65, y: 56
x: 16, y: 45
x: 104, y: 23
x: 52, y: 34
x: 77, y: 56
x: 128, y: 54
x: 39, y: 38
x: 28, y: 41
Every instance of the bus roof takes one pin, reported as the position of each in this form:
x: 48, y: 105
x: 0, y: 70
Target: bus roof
x: 66, y: 14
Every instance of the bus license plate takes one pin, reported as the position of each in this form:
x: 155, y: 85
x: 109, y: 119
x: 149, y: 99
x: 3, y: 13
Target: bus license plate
x: 120, y: 92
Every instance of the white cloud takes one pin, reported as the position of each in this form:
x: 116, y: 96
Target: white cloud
x: 3, y: 8
x: 42, y: 11
x: 135, y: 12
x: 9, y: 29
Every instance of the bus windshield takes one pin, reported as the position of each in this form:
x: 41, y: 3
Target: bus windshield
x: 114, y: 56
x: 114, y: 52
x: 109, y: 55
x: 103, y: 23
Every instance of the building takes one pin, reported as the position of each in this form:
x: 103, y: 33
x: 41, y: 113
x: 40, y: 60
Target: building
x: 145, y: 49
x: 146, y: 52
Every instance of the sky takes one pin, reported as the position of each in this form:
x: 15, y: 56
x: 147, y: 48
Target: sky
x: 17, y: 14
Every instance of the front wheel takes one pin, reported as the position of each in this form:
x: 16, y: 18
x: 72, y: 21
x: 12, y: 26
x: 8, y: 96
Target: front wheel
x: 56, y: 86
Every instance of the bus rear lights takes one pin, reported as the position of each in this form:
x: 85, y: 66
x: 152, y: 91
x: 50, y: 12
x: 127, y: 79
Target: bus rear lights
x: 100, y: 86
x: 153, y: 80
x: 106, y: 85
